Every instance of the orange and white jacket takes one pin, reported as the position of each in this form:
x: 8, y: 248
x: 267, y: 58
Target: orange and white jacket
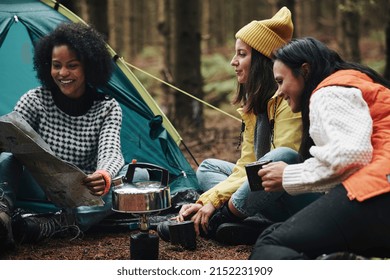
x: 350, y: 125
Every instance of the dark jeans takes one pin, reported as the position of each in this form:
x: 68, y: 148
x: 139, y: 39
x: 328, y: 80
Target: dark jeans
x: 332, y: 223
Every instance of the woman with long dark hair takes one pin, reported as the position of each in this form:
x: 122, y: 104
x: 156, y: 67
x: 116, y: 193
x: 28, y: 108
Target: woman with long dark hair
x: 346, y: 115
x: 270, y: 132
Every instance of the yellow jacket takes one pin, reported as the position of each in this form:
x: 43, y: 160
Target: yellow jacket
x: 287, y: 133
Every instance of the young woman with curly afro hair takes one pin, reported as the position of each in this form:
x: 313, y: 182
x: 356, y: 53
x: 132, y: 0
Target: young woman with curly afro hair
x: 80, y: 124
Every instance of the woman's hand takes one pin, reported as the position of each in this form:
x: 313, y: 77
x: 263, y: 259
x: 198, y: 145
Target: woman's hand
x: 187, y: 211
x: 272, y: 176
x: 199, y: 214
x: 95, y: 183
x: 202, y: 217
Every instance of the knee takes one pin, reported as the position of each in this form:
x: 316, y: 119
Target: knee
x: 284, y: 154
x: 207, y: 165
x: 9, y: 162
x: 10, y: 168
x: 269, y: 247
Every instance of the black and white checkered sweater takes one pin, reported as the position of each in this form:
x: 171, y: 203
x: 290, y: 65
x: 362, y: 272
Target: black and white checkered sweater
x: 90, y: 141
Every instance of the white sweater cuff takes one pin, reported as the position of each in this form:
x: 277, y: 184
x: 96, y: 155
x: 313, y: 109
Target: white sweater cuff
x: 292, y: 179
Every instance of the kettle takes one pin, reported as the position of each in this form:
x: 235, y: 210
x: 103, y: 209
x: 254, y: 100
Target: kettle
x: 144, y: 196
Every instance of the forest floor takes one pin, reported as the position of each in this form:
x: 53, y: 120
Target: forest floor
x: 219, y: 140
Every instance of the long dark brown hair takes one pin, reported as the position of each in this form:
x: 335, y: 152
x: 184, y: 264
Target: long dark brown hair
x: 260, y: 86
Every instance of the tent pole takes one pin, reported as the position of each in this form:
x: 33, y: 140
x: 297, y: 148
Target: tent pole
x: 188, y: 150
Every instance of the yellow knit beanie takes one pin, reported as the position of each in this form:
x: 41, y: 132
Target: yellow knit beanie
x: 268, y: 35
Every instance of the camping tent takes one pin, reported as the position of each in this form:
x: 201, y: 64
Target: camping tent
x: 147, y: 134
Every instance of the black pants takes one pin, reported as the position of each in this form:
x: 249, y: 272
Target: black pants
x: 333, y: 223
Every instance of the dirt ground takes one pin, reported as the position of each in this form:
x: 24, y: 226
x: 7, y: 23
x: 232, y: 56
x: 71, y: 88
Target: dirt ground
x: 219, y: 140
x: 116, y: 246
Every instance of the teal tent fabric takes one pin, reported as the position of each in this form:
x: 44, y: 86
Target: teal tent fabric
x: 22, y: 22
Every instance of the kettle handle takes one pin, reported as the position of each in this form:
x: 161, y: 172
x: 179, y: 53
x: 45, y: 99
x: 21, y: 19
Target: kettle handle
x: 132, y: 166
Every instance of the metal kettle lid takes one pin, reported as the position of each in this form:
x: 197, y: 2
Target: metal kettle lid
x: 139, y: 187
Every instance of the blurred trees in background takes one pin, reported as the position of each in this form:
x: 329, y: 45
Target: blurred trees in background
x: 179, y: 33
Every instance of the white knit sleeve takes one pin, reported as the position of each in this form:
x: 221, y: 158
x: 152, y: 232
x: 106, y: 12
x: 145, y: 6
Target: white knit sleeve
x: 341, y: 127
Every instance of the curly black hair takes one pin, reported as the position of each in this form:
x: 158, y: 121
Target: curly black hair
x: 89, y: 46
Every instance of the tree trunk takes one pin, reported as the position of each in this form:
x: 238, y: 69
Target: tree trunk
x: 350, y: 26
x: 206, y: 30
x: 387, y: 38
x: 164, y: 26
x: 186, y: 74
x: 112, y: 24
x: 97, y: 13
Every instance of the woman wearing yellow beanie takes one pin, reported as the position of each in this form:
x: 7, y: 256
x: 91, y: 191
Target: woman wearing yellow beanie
x: 268, y: 123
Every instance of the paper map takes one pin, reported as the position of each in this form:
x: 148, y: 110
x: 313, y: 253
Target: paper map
x: 60, y: 180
